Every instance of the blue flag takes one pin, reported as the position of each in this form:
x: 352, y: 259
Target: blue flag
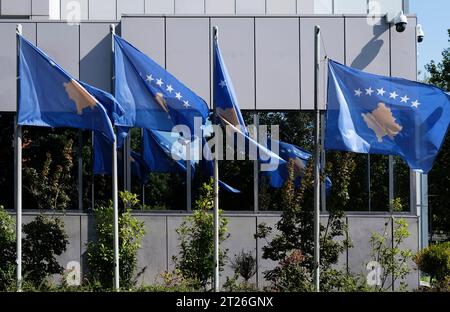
x: 151, y: 96
x: 382, y: 115
x: 224, y: 94
x: 300, y: 159
x: 50, y: 97
x: 103, y: 160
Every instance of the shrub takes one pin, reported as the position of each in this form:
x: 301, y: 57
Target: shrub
x: 196, y: 261
x: 100, y: 253
x: 393, y: 260
x: 45, y: 238
x: 7, y: 247
x: 244, y: 266
x: 435, y: 261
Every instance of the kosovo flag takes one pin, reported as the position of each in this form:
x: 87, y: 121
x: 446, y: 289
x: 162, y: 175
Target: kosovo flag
x: 151, y: 96
x: 50, y: 97
x: 224, y: 94
x: 299, y: 158
x: 383, y: 115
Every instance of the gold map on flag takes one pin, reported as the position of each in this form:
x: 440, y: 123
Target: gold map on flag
x: 79, y: 95
x: 382, y: 122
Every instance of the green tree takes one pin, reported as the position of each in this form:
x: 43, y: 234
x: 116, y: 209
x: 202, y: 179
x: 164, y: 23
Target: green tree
x: 293, y: 247
x: 195, y: 261
x: 7, y: 247
x: 439, y: 176
x: 100, y: 253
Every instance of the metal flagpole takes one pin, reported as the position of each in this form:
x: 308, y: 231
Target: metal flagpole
x: 256, y: 169
x: 216, y: 173
x: 18, y: 167
x: 114, y: 187
x: 316, y: 160
x: 80, y: 170
x: 188, y: 177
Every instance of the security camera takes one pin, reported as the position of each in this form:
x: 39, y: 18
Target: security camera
x: 400, y: 22
x: 420, y: 33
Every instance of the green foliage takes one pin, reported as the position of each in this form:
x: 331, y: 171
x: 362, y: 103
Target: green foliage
x: 293, y: 247
x: 195, y: 261
x: 394, y: 260
x: 100, y: 253
x: 7, y: 247
x: 244, y: 266
x: 49, y: 181
x: 439, y: 176
x: 45, y: 239
x: 435, y: 261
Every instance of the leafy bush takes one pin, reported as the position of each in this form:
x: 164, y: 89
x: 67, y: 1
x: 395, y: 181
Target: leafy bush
x: 244, y: 266
x: 7, y: 247
x: 435, y: 261
x: 293, y: 247
x: 100, y: 253
x: 387, y: 251
x: 45, y: 239
x: 196, y: 261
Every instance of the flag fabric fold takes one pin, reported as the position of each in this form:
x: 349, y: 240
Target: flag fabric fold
x: 375, y: 114
x: 50, y: 97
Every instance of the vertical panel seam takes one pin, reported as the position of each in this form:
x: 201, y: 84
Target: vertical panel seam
x: 299, y: 66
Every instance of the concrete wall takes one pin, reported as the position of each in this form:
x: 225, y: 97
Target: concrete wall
x: 270, y: 58
x: 161, y: 241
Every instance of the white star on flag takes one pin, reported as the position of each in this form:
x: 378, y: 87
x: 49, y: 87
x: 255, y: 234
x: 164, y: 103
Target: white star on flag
x: 150, y: 78
x: 415, y: 104
x: 369, y: 91
x: 404, y: 99
x: 358, y: 92
x: 186, y: 104
x: 169, y: 89
x: 381, y: 92
x: 178, y: 95
x: 222, y: 83
x: 393, y: 95
x: 159, y: 82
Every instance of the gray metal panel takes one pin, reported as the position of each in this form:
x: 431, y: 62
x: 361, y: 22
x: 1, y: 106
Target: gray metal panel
x: 281, y: 6
x: 350, y: 6
x: 277, y: 63
x: 152, y: 256
x: 242, y: 230
x: 220, y: 7
x: 250, y: 6
x: 8, y: 61
x: 159, y: 6
x: 315, y: 6
x: 360, y: 229
x: 40, y: 7
x: 69, y: 9
x: 15, y: 7
x: 153, y: 42
x: 102, y: 9
x: 129, y: 7
x: 49, y: 39
x: 404, y: 51
x: 412, y: 243
x: 367, y: 47
x: 173, y: 244
x: 72, y: 225
x: 188, y: 48
x: 390, y: 6
x: 236, y: 39
x: 332, y: 30
x: 189, y: 6
x: 96, y: 55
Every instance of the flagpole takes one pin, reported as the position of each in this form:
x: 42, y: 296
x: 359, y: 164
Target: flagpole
x: 18, y: 167
x: 115, y: 187
x: 216, y: 173
x: 188, y: 177
x: 316, y: 160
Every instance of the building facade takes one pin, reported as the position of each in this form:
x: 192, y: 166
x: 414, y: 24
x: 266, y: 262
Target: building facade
x: 268, y: 46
